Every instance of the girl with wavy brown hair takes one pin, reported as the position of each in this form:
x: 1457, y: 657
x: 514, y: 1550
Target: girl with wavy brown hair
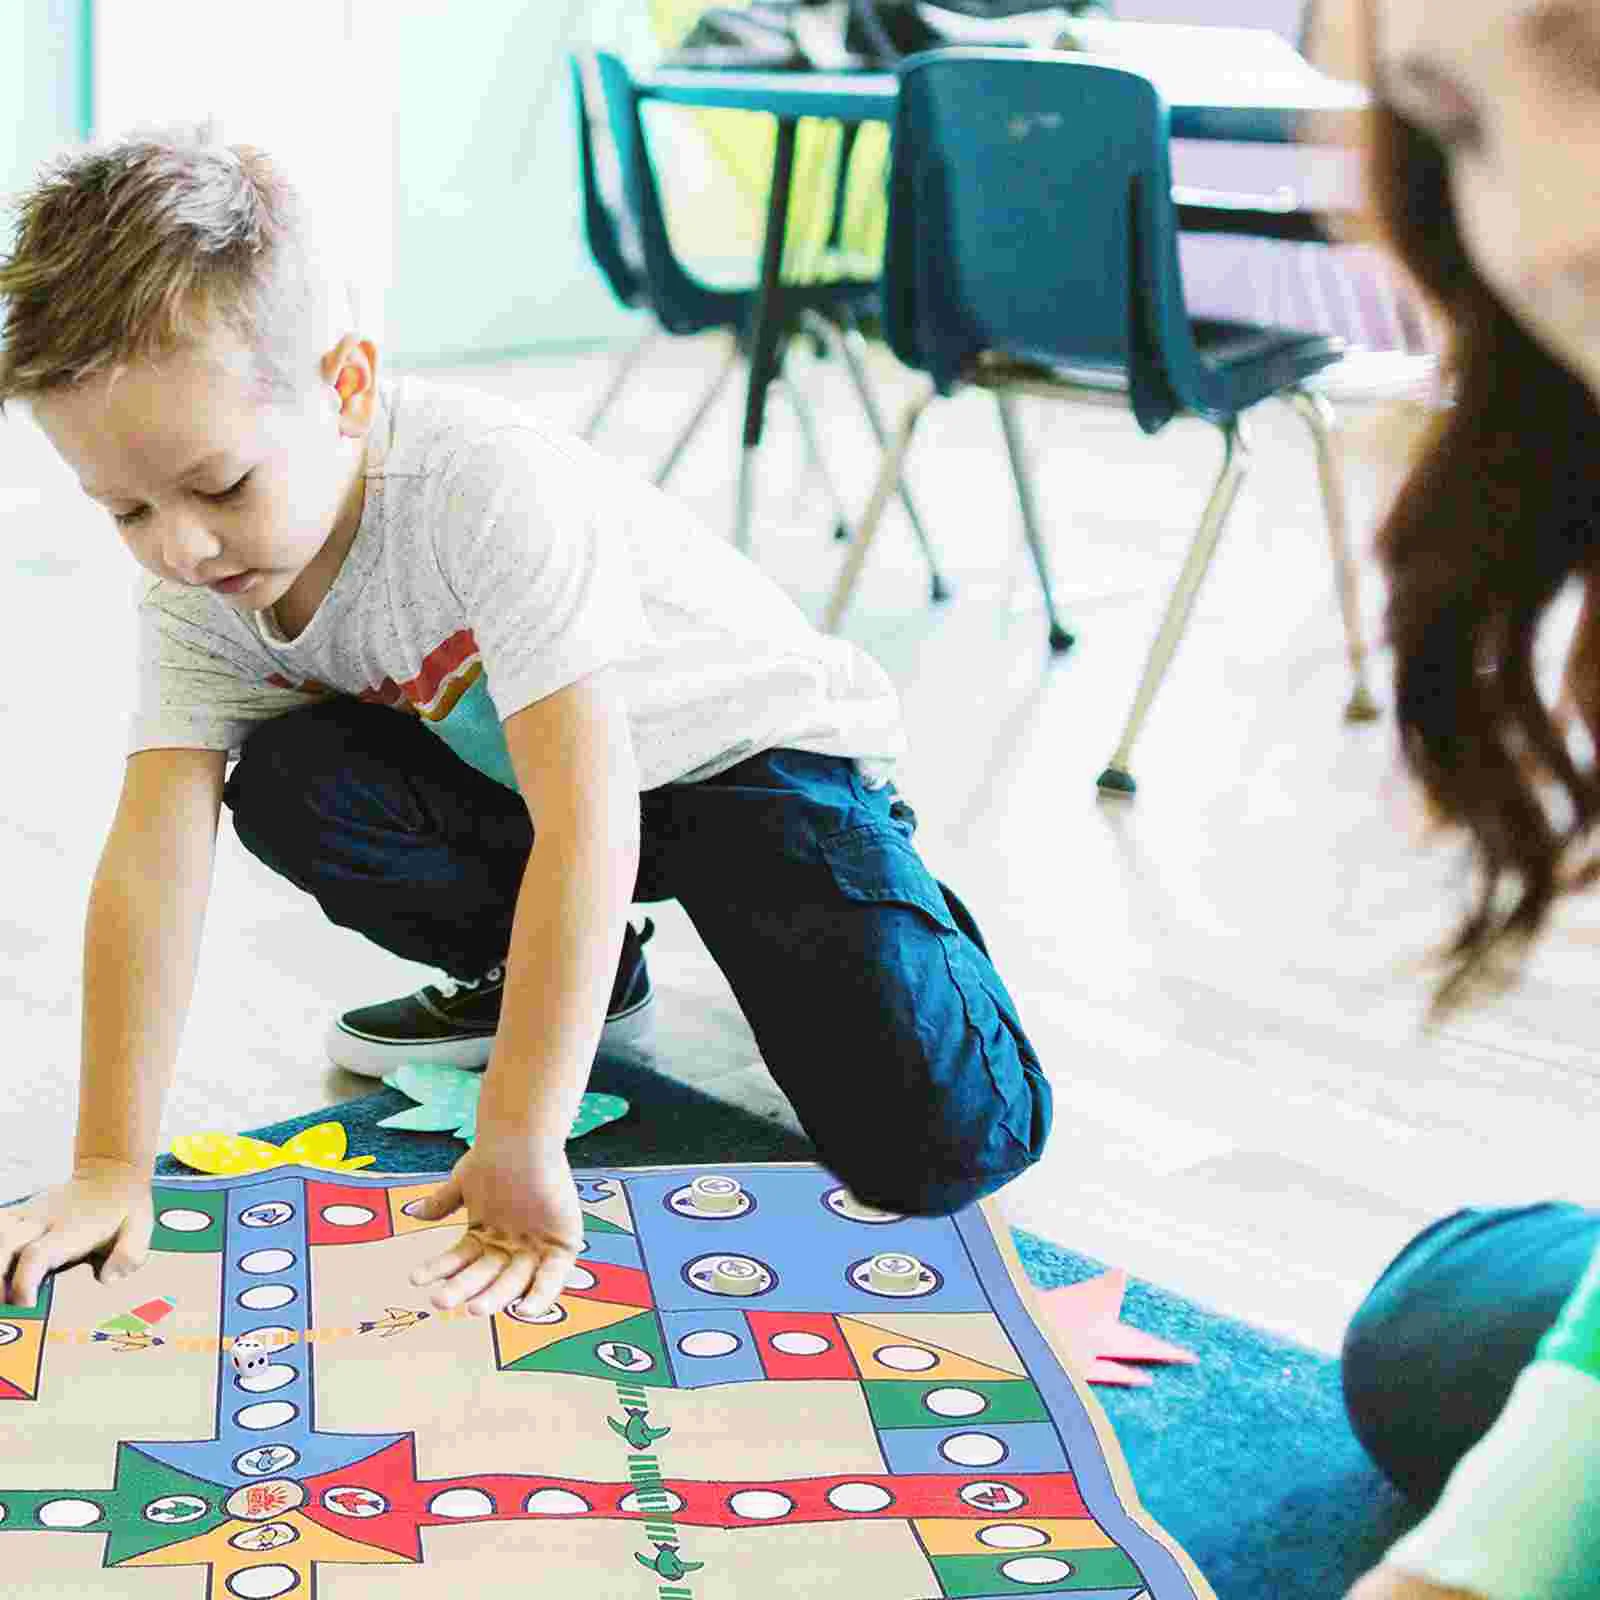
x: 1472, y: 1371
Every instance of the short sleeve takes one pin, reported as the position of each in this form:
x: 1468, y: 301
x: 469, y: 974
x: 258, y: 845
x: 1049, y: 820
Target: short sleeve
x: 535, y: 544
x: 197, y: 687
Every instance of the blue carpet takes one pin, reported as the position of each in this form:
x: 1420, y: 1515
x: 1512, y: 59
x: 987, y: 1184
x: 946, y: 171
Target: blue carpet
x: 1246, y: 1459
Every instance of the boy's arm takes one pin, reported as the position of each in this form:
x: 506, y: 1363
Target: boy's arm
x: 575, y: 765
x: 141, y: 941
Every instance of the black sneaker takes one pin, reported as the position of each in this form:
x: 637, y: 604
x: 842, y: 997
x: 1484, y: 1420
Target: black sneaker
x: 452, y: 1023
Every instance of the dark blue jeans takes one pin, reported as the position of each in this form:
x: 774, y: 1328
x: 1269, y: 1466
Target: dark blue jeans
x: 866, y: 984
x: 1430, y: 1358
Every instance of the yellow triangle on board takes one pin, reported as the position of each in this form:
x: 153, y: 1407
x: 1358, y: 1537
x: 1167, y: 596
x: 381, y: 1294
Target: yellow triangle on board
x: 315, y: 1543
x: 518, y: 1339
x: 866, y: 1342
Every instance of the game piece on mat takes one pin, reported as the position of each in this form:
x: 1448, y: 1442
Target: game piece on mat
x: 1087, y: 1318
x: 448, y: 1099
x: 721, y: 1397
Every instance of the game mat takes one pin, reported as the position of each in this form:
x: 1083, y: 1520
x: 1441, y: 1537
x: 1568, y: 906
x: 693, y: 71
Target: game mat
x: 753, y: 1385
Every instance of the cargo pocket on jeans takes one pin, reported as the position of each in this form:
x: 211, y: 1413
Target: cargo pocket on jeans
x: 876, y: 864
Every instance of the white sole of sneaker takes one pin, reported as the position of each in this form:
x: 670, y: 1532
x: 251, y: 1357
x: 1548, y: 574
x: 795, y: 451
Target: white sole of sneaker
x: 370, y: 1059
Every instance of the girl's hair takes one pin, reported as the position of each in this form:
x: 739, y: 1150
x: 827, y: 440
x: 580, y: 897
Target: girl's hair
x: 1496, y: 518
x: 137, y: 249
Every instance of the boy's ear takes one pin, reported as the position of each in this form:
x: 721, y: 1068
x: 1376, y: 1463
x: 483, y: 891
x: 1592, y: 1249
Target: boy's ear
x: 350, y: 370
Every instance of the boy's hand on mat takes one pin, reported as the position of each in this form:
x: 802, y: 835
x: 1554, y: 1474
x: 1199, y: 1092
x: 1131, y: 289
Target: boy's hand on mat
x: 1390, y: 1583
x: 524, y: 1227
x: 103, y: 1209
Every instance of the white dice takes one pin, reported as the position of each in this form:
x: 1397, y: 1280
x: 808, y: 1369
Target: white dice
x: 249, y: 1354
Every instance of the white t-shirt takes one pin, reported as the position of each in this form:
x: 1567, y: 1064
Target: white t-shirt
x: 498, y: 561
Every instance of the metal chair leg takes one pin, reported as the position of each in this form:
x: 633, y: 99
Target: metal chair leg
x: 848, y: 344
x: 806, y: 417
x: 1235, y: 463
x: 708, y: 401
x: 1060, y: 638
x: 888, y: 476
x: 743, y: 494
x: 626, y: 363
x: 1323, y: 422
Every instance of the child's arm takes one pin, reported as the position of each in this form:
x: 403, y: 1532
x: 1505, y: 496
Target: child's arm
x: 141, y: 942
x: 575, y: 765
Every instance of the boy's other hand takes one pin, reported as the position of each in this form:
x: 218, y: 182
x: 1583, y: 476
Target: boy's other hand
x: 524, y: 1227
x: 103, y: 1208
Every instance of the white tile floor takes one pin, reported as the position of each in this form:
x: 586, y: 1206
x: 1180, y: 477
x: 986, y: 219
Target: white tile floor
x: 1247, y: 1111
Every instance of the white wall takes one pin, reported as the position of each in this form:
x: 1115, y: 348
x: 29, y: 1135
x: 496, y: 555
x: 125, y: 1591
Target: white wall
x: 309, y: 81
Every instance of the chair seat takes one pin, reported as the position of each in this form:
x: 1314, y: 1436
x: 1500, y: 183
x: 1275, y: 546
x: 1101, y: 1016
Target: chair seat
x: 1247, y: 363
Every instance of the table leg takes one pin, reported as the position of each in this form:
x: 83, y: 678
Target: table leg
x: 767, y: 323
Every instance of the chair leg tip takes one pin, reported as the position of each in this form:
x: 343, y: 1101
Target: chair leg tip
x: 1361, y: 707
x: 1060, y: 640
x: 841, y: 532
x: 1115, y: 781
x: 938, y: 589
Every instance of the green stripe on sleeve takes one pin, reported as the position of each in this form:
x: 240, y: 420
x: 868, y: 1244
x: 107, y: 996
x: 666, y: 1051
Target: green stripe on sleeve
x: 1575, y: 1337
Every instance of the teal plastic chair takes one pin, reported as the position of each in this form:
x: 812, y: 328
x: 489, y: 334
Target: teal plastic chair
x: 627, y: 235
x: 1033, y: 250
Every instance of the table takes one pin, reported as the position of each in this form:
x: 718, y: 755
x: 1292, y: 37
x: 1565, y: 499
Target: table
x: 1206, y: 101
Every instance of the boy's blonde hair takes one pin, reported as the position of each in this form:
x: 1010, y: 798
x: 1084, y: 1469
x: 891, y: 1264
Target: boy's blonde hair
x: 135, y: 250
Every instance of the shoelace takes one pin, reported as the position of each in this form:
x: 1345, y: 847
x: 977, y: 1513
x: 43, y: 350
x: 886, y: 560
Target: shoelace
x: 448, y: 988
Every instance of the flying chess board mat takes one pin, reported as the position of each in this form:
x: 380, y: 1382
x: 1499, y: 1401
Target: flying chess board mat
x: 752, y: 1386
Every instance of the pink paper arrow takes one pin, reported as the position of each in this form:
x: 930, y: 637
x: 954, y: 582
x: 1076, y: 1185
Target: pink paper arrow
x: 1086, y: 1319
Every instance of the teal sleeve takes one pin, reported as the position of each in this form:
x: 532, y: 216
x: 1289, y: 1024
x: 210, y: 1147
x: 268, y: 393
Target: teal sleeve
x: 1575, y: 1337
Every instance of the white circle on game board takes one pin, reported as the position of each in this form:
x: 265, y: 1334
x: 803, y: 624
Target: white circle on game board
x: 859, y: 1497
x: 182, y: 1220
x: 906, y: 1358
x: 267, y: 1214
x: 707, y: 1342
x: 972, y: 1449
x: 260, y: 1502
x: 955, y: 1402
x: 801, y: 1344
x: 844, y: 1204
x: 546, y: 1318
x: 268, y: 1536
x: 580, y: 1278
x: 266, y: 1261
x: 347, y: 1216
x: 661, y: 1500
x: 9, y: 1333
x: 1036, y: 1569
x: 623, y: 1356
x: 267, y: 1297
x: 362, y: 1502
x: 267, y: 1414
x: 274, y: 1337
x: 461, y: 1503
x: 281, y: 1458
x: 1012, y: 1536
x: 760, y: 1505
x: 68, y: 1513
x: 263, y: 1583
x: 993, y: 1496
x: 182, y: 1508
x: 275, y: 1376
x: 556, y: 1503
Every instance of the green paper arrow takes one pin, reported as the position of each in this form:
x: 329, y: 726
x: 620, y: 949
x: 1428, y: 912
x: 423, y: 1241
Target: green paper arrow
x: 448, y: 1102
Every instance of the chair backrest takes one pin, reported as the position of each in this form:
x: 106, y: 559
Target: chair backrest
x: 614, y: 246
x: 682, y: 303
x: 1031, y: 215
